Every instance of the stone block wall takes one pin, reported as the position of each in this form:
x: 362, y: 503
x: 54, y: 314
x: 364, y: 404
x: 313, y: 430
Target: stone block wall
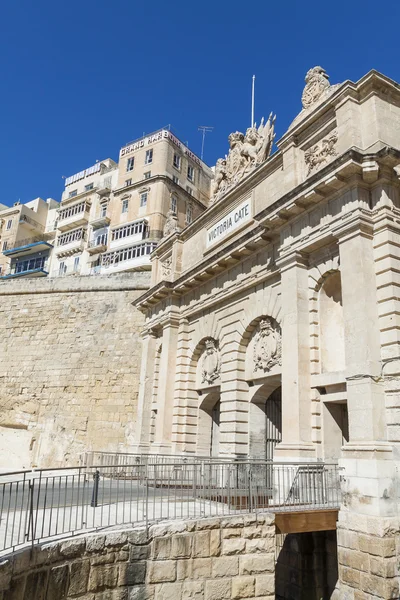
x: 70, y: 352
x: 205, y: 559
x: 368, y: 557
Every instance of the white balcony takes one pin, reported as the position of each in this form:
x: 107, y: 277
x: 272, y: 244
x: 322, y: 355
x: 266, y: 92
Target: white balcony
x: 73, y: 216
x: 71, y: 248
x: 133, y: 258
x: 100, y: 221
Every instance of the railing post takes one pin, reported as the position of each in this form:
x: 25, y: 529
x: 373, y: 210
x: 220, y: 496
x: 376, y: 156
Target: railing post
x: 95, y: 492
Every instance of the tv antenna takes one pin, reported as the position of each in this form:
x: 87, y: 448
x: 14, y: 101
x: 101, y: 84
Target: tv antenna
x: 204, y: 129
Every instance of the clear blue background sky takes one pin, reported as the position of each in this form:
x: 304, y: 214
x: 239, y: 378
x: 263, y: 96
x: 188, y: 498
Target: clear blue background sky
x: 80, y: 79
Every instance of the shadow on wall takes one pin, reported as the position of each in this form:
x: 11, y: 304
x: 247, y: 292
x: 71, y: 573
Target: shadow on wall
x: 306, y: 566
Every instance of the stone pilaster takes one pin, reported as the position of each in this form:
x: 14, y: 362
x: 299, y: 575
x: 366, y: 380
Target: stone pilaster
x: 296, y: 392
x: 145, y: 390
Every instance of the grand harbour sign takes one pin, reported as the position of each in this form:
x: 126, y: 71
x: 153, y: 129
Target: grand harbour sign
x: 231, y: 222
x: 154, y: 138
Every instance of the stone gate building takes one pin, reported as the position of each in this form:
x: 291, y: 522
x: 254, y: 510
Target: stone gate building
x: 272, y: 325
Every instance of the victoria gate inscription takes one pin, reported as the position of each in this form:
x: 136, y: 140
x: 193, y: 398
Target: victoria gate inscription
x: 232, y: 221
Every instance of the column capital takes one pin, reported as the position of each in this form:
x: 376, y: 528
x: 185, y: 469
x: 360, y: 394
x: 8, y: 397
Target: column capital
x: 360, y: 224
x: 292, y: 259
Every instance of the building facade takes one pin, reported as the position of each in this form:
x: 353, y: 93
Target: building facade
x: 272, y: 322
x: 27, y: 233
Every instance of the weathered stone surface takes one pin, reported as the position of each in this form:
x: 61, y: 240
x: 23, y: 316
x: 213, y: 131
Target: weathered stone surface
x: 95, y: 543
x: 102, y: 559
x: 193, y: 590
x: 233, y: 546
x: 168, y: 591
x: 265, y: 585
x: 102, y: 576
x: 201, y: 568
x: 161, y: 571
x: 254, y: 564
x: 225, y: 566
x: 73, y: 548
x: 232, y: 532
x: 215, y: 542
x: 201, y: 545
x: 259, y: 545
x: 212, y: 523
x: 243, y: 587
x: 142, y: 592
x: 5, y: 574
x: 217, y: 589
x: 132, y: 574
x: 78, y: 577
x: 58, y: 583
x: 117, y: 538
x: 36, y: 585
x: 138, y: 553
x: 162, y: 548
x: 138, y: 536
x: 181, y: 546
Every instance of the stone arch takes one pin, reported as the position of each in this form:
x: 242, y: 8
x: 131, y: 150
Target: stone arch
x: 326, y: 319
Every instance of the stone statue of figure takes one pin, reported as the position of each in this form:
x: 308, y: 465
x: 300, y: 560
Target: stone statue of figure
x: 210, y: 367
x: 171, y: 224
x: 267, y: 346
x: 234, y: 160
x: 257, y: 143
x: 220, y: 175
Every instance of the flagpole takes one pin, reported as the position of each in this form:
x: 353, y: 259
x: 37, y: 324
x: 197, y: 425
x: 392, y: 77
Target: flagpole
x: 252, y: 101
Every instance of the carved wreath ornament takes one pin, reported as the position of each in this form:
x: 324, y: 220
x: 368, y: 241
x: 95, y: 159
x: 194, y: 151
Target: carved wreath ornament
x: 210, y: 365
x: 267, y: 347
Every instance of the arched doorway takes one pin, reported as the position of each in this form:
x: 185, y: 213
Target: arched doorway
x: 208, y: 436
x: 265, y: 427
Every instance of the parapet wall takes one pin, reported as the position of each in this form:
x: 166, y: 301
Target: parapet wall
x: 70, y: 351
x: 205, y: 559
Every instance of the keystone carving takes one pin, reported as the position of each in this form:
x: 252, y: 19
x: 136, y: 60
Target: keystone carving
x: 166, y: 267
x: 210, y: 367
x: 321, y: 153
x: 246, y: 152
x: 267, y: 347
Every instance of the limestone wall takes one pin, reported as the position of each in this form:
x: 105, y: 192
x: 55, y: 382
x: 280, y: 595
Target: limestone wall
x: 208, y: 559
x: 70, y: 352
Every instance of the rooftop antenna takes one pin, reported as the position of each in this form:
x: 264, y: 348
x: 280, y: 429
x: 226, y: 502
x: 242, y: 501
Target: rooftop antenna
x: 252, y: 100
x: 205, y: 129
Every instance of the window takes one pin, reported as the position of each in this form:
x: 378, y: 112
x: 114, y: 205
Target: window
x: 73, y: 194
x: 103, y: 210
x: 143, y: 199
x: 175, y: 179
x: 147, y: 175
x: 116, y: 256
x: 128, y: 182
x: 5, y: 244
x: 174, y: 204
x: 9, y: 224
x: 139, y: 227
x: 130, y: 164
x: 76, y: 263
x: 125, y: 204
x: 189, y: 212
x: 189, y: 190
x: 73, y: 210
x: 62, y: 268
x: 107, y: 182
x: 190, y: 173
x: 149, y: 157
x: 71, y: 236
x: 177, y: 161
x: 88, y: 187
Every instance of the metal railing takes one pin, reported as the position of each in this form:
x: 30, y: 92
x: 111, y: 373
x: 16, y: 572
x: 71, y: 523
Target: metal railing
x: 44, y: 504
x: 26, y: 242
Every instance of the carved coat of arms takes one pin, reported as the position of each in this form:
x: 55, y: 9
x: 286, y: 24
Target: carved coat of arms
x: 317, y: 82
x: 210, y: 366
x: 267, y: 347
x: 171, y: 224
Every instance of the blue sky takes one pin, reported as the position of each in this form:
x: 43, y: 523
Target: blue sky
x: 80, y: 79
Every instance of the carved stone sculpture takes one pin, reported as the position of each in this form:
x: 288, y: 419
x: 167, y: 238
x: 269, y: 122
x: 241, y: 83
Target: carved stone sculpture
x: 166, y: 267
x: 267, y: 347
x: 246, y: 152
x: 320, y: 154
x: 317, y: 82
x: 210, y: 366
x: 171, y: 224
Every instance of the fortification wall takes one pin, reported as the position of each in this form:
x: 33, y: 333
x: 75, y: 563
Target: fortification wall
x: 205, y: 559
x: 70, y: 351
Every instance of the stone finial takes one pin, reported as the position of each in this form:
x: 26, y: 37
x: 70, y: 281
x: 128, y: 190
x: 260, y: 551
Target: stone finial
x: 317, y: 82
